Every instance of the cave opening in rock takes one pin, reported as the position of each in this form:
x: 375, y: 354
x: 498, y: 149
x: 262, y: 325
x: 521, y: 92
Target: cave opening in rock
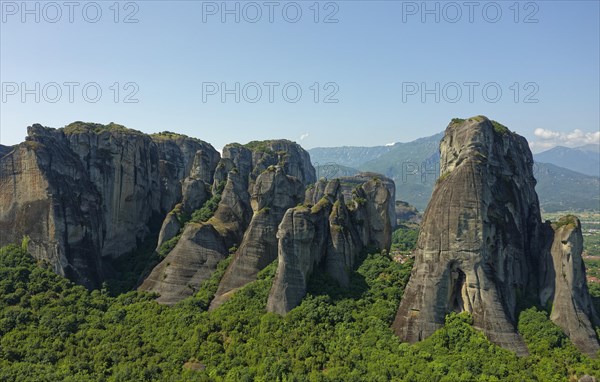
x: 457, y: 281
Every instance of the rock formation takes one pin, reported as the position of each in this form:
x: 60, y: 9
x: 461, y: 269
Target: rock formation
x: 351, y: 188
x: 303, y: 237
x: 258, y: 190
x: 330, y: 233
x: 46, y: 195
x: 407, y: 213
x: 482, y: 243
x: 88, y: 192
x: 567, y: 292
x: 274, y: 192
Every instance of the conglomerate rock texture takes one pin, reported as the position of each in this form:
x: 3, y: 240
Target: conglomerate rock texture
x: 482, y: 246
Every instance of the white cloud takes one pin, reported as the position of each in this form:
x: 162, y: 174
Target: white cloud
x: 390, y: 144
x: 548, y: 139
x: 304, y: 136
x: 545, y: 134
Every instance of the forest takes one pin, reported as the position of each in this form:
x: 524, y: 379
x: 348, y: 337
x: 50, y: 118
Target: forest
x: 52, y: 329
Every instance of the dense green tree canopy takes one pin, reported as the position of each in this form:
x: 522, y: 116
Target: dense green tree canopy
x: 51, y: 330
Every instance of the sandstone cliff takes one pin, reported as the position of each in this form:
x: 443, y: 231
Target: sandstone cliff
x: 565, y: 289
x: 358, y: 189
x: 46, y: 194
x: 262, y: 180
x: 482, y: 244
x: 274, y: 192
x: 88, y: 191
x: 331, y: 234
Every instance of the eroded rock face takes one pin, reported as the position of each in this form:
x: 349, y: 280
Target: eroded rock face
x: 274, y: 192
x: 201, y: 246
x: 479, y: 231
x: 169, y: 229
x: 302, y: 243
x: 192, y: 261
x: 181, y: 157
x: 5, y: 150
x: 89, y: 191
x: 294, y: 160
x: 482, y: 244
x: 364, y: 186
x: 348, y: 185
x: 572, y: 307
x: 257, y: 193
x: 45, y: 194
x: 123, y: 166
x: 331, y: 234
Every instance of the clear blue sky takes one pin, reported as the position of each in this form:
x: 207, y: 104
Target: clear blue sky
x: 369, y: 54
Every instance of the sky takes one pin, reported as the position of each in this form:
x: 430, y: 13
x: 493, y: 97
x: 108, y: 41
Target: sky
x: 327, y: 73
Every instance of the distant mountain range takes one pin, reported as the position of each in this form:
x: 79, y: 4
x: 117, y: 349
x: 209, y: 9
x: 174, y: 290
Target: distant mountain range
x: 350, y: 156
x: 414, y: 167
x: 561, y: 189
x: 584, y: 159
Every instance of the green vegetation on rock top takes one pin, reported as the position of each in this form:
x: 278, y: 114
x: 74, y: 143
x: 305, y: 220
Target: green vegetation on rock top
x: 32, y: 145
x: 322, y: 203
x: 209, y: 207
x: 567, y: 220
x: 500, y: 128
x: 164, y: 135
x: 79, y: 127
x: 478, y: 118
x: 261, y: 146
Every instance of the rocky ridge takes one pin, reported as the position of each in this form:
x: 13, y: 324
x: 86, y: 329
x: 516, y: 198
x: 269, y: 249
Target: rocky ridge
x: 88, y: 192
x: 254, y: 185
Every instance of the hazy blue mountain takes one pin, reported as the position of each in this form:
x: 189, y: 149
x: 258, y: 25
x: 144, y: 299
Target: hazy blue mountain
x: 414, y: 167
x: 334, y: 170
x: 350, y: 156
x: 591, y: 147
x: 561, y: 189
x: 584, y: 159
